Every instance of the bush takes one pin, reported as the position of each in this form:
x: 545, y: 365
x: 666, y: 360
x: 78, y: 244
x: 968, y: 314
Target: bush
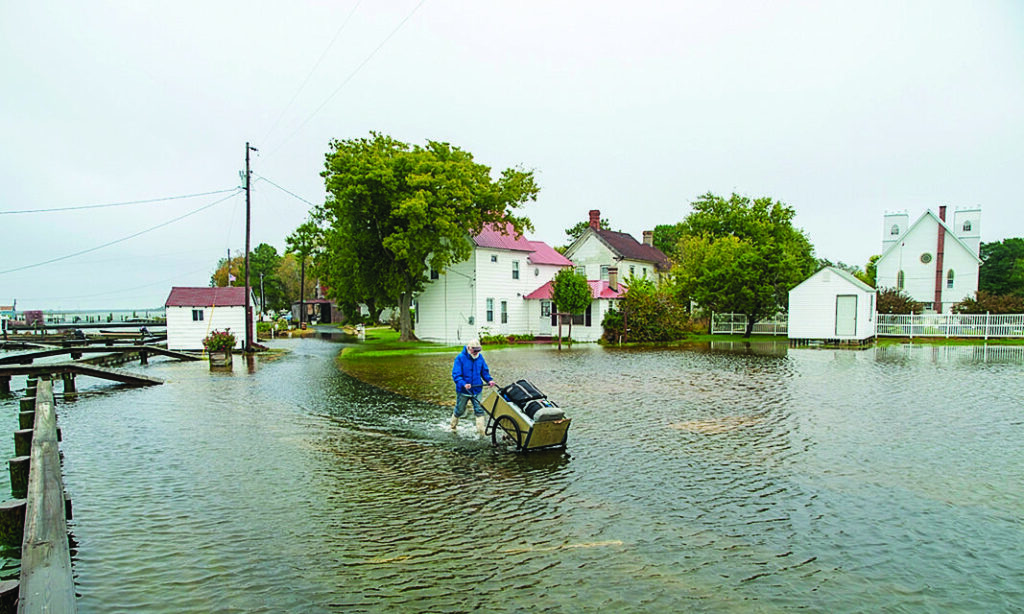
x: 986, y: 302
x: 891, y: 300
x: 219, y: 341
x: 646, y: 313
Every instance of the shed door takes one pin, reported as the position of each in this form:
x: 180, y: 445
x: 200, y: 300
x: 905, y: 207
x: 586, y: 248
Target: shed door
x: 846, y: 315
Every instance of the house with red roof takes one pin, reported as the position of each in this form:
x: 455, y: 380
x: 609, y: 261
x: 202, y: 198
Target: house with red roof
x: 597, y: 251
x: 194, y: 313
x: 486, y: 294
x: 585, y: 326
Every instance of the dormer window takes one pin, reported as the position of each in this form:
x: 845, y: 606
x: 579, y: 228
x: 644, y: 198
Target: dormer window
x: 895, y: 230
x: 967, y: 226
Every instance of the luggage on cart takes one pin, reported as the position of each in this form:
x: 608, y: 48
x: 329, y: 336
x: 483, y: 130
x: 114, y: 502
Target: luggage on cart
x: 523, y: 415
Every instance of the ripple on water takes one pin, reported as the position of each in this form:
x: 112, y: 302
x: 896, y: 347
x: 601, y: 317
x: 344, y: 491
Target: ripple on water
x: 706, y: 480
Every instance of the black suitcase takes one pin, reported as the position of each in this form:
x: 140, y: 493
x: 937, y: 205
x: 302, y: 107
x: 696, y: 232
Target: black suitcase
x: 521, y: 392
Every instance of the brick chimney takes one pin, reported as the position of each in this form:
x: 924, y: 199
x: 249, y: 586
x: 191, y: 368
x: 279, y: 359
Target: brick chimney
x: 613, y: 278
x: 595, y: 219
x: 940, y: 252
x: 649, y: 238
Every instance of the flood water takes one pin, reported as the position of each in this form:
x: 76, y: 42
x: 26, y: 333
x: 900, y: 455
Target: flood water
x: 714, y: 479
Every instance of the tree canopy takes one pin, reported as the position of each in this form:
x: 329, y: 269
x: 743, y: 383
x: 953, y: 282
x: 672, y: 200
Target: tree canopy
x: 1002, y: 267
x: 571, y: 293
x: 741, y: 255
x: 395, y: 211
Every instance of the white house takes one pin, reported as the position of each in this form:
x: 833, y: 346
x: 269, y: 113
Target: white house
x: 585, y: 326
x: 194, y: 313
x: 933, y: 262
x: 596, y: 251
x: 832, y: 305
x: 485, y: 294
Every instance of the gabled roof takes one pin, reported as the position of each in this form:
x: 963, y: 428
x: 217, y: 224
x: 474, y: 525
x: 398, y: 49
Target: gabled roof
x: 494, y: 237
x: 624, y: 246
x: 949, y: 235
x: 849, y: 277
x: 539, y: 252
x: 545, y: 254
x: 231, y: 296
x: 598, y: 289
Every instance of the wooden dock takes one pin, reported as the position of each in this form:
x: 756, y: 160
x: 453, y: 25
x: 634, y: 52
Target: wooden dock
x: 77, y: 352
x: 71, y: 369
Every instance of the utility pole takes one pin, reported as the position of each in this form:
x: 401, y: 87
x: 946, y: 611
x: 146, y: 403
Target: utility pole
x: 248, y: 226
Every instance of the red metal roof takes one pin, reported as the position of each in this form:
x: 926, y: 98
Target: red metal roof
x: 545, y: 254
x: 232, y: 296
x: 598, y: 289
x: 493, y: 237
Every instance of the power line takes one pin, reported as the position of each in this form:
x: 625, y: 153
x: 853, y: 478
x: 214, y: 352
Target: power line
x: 352, y: 74
x: 262, y: 178
x: 311, y: 71
x: 123, y: 239
x: 121, y: 204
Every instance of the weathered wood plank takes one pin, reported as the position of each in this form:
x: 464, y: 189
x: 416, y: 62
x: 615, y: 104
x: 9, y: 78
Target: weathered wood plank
x: 47, y: 584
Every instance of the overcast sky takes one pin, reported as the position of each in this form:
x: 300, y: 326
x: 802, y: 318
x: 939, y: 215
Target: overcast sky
x: 843, y: 110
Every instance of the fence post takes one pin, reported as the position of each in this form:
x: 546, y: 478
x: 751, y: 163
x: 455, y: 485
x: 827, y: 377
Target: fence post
x: 987, y: 314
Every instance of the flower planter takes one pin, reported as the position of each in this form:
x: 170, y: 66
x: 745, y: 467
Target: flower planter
x: 220, y: 360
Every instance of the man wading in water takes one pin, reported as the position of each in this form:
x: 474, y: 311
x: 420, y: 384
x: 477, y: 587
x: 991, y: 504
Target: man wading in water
x: 469, y: 372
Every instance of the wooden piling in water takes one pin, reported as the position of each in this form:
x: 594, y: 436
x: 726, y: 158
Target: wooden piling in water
x: 18, y: 467
x: 5, y: 384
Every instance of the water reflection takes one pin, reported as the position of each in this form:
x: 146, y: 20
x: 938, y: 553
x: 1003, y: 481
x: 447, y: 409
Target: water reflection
x: 696, y: 479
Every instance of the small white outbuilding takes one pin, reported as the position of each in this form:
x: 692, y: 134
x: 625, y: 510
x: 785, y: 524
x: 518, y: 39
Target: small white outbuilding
x: 833, y: 306
x: 194, y: 313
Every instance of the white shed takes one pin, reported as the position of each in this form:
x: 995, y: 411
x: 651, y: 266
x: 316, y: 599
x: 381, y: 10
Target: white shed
x: 832, y: 305
x: 194, y: 313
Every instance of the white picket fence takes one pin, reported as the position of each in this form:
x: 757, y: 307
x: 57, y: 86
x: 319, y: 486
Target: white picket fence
x: 736, y: 324
x: 981, y: 325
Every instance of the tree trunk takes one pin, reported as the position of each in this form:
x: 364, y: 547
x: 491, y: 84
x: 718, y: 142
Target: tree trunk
x: 405, y: 317
x: 750, y: 326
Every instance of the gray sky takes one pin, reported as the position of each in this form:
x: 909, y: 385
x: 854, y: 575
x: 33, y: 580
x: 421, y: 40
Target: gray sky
x: 843, y: 110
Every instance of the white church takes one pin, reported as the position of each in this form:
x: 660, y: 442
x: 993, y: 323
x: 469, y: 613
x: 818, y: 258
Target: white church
x: 932, y: 260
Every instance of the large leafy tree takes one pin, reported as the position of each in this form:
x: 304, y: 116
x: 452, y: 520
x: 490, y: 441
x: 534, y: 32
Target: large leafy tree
x: 303, y: 242
x: 571, y: 293
x: 264, y: 262
x: 741, y: 255
x: 1002, y: 267
x: 646, y: 313
x: 394, y: 212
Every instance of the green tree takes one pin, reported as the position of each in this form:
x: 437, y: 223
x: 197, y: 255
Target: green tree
x: 263, y: 275
x: 666, y: 238
x: 395, y: 211
x: 742, y: 256
x: 576, y: 230
x: 1002, y: 267
x: 870, y: 274
x: 303, y: 242
x: 570, y: 293
x: 891, y: 300
x: 986, y: 302
x: 646, y: 312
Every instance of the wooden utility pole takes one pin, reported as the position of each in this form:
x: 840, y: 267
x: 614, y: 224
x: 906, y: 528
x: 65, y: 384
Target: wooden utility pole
x: 248, y: 226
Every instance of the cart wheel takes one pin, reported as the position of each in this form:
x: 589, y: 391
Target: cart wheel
x: 506, y: 432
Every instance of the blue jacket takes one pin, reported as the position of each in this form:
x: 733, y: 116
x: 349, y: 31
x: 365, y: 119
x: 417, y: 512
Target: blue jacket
x: 469, y: 370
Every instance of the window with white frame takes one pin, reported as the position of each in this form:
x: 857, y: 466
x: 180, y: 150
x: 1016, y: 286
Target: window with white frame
x: 967, y: 225
x: 515, y: 269
x: 949, y: 278
x: 197, y: 315
x: 899, y: 280
x: 494, y: 257
x: 490, y: 310
x: 504, y: 312
x: 581, y: 270
x: 604, y: 272
x: 545, y: 309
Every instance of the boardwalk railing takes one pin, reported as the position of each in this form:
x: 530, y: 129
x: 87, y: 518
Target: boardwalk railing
x: 736, y: 324
x: 982, y: 326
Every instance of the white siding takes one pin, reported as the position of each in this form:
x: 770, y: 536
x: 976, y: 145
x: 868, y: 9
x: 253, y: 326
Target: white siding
x: 185, y: 334
x: 812, y: 307
x: 592, y: 253
x: 453, y: 308
x: 919, y: 277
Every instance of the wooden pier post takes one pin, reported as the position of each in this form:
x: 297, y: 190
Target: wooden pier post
x: 69, y: 382
x: 27, y: 403
x: 18, y: 468
x: 12, y: 522
x: 5, y: 384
